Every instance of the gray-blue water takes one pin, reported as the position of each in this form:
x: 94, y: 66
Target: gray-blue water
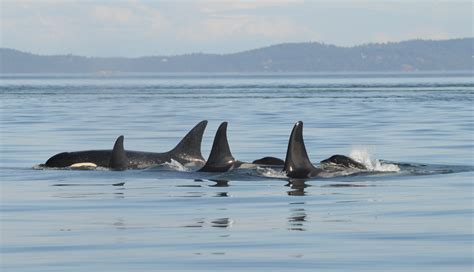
x: 66, y: 220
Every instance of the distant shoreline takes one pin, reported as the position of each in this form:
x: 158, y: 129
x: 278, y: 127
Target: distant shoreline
x: 407, y: 56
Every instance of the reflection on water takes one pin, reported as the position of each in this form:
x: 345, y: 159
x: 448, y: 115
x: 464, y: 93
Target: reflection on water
x: 89, y: 184
x: 119, y: 223
x: 214, y: 223
x: 119, y: 195
x: 193, y: 194
x: 342, y: 185
x: 198, y: 223
x: 84, y: 190
x: 214, y: 183
x: 219, y: 183
x: 197, y: 219
x: 297, y: 219
x: 189, y: 186
x: 221, y: 223
x: 221, y: 194
x: 298, y: 187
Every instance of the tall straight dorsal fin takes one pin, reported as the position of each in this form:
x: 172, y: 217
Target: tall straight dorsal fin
x: 190, y: 145
x: 297, y: 163
x: 220, y: 159
x: 118, y: 159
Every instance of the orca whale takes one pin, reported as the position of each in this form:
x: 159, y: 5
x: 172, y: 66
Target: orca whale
x: 271, y: 161
x: 221, y: 158
x: 342, y: 161
x: 187, y: 151
x: 297, y: 163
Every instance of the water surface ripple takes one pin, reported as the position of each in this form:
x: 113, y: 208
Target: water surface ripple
x: 150, y: 220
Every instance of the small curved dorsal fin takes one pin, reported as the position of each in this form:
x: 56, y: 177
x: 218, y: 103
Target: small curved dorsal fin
x: 118, y: 159
x: 190, y: 145
x: 297, y: 163
x: 220, y: 159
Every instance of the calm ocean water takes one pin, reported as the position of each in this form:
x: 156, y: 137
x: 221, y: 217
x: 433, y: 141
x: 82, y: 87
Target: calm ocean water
x: 64, y: 220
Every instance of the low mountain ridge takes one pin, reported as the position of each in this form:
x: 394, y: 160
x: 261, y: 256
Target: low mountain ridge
x: 413, y: 55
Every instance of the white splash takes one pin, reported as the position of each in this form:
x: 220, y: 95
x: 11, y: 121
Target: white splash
x: 270, y: 172
x: 176, y: 166
x: 362, y: 155
x: 39, y: 167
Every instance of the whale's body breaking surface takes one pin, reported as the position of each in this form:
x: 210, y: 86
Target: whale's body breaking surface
x: 343, y: 161
x: 187, y: 151
x: 221, y: 158
x: 296, y: 164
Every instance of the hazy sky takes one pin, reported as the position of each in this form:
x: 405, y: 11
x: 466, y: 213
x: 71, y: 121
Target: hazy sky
x: 139, y: 27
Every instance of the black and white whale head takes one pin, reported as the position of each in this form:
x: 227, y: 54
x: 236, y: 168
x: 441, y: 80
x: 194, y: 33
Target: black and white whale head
x: 63, y: 159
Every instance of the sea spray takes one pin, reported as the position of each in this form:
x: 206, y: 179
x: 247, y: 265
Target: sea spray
x: 270, y: 172
x: 362, y: 155
x: 176, y: 166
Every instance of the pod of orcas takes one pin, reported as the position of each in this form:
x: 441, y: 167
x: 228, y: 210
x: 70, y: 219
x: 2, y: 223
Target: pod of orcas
x: 188, y: 152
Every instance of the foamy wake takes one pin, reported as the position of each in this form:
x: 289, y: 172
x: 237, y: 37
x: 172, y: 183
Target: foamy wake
x: 362, y: 155
x: 175, y: 166
x: 270, y: 172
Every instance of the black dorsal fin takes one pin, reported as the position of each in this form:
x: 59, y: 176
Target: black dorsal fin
x: 189, y: 147
x: 297, y: 163
x: 118, y: 159
x: 220, y: 159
